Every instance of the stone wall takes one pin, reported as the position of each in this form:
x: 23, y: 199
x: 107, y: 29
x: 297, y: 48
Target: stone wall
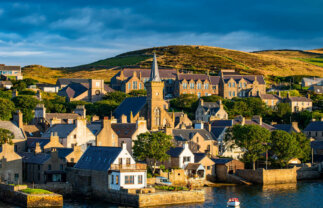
x: 168, y: 198
x: 56, y: 187
x: 267, y: 177
x: 176, y: 176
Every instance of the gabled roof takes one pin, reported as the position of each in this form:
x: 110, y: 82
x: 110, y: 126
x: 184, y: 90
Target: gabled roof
x: 222, y: 123
x: 124, y: 130
x: 29, y: 157
x: 64, y: 152
x: 187, y: 134
x: 74, y: 90
x: 314, y: 126
x: 198, y: 157
x: 193, y: 166
x: 95, y: 127
x: 193, y: 77
x: 269, y: 97
x: 249, y: 78
x: 175, y: 151
x: 285, y: 127
x: 132, y: 104
x: 63, y: 116
x: 98, y: 158
x: 31, y: 142
x: 211, y: 105
x: 214, y: 80
x: 317, y: 145
x: 4, y: 67
x: 67, y: 81
x: 299, y: 99
x: 17, y: 132
x: 217, y: 131
x: 145, y: 73
x: 63, y: 130
x: 222, y: 161
x: 108, y: 89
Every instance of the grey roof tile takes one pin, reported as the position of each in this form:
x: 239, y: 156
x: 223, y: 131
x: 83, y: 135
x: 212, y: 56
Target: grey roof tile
x: 314, y: 126
x: 132, y: 104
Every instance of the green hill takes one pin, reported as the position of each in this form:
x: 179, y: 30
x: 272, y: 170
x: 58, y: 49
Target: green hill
x: 193, y: 58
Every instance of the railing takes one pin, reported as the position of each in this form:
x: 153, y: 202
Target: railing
x: 138, y: 166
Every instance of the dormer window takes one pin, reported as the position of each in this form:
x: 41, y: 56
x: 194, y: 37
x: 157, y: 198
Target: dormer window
x: 192, y: 85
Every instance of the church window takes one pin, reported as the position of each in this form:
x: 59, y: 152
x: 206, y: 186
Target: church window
x: 233, y: 84
x: 229, y: 84
x: 233, y: 93
x: 230, y: 93
x: 157, y: 116
x: 206, y: 86
x: 134, y: 83
x: 192, y: 85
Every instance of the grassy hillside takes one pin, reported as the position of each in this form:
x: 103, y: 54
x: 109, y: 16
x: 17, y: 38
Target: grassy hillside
x: 193, y: 58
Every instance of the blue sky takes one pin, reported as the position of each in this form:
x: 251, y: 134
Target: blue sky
x: 68, y: 33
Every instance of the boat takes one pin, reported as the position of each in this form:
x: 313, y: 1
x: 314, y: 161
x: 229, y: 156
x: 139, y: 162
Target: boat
x: 233, y: 202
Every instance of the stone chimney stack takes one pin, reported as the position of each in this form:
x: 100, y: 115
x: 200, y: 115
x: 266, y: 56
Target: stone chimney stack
x: 40, y: 111
x: 38, y: 95
x: 295, y: 126
x: 308, y: 96
x: 124, y: 118
x: 38, y: 148
x: 18, y: 118
x: 141, y: 123
x: 185, y: 146
x: 80, y: 109
x: 201, y: 102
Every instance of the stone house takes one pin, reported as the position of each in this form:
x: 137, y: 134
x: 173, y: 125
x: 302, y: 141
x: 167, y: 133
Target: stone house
x: 128, y: 132
x: 235, y: 85
x: 104, y: 168
x: 104, y: 133
x: 11, y: 71
x: 197, y: 84
x: 270, y: 99
x: 179, y: 157
x: 181, y: 119
x: 129, y: 79
x: 39, y: 167
x: 71, y: 135
x: 199, y: 140
x: 225, y: 166
x: 317, y: 147
x: 309, y: 81
x: 208, y: 164
x: 10, y: 165
x: 89, y: 90
x: 209, y: 111
x: 46, y: 145
x: 48, y: 88
x: 16, y: 126
x: 298, y: 104
x: 314, y: 130
x: 6, y: 84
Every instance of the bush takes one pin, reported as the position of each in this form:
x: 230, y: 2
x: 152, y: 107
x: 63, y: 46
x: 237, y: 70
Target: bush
x: 35, y: 191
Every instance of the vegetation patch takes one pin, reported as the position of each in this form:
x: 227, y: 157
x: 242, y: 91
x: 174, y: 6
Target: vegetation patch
x: 172, y: 188
x: 314, y: 61
x: 35, y: 191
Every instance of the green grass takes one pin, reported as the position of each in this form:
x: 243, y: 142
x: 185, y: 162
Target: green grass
x: 171, y: 188
x: 314, y: 61
x: 35, y: 191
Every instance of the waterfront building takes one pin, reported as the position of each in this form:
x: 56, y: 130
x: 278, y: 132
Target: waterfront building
x: 103, y: 168
x: 225, y: 166
x: 209, y: 111
x: 314, y: 130
x: 11, y: 72
x: 208, y: 164
x: 10, y: 165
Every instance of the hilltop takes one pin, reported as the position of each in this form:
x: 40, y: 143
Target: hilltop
x: 193, y: 58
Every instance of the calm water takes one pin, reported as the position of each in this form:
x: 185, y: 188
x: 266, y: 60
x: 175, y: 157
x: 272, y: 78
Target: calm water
x: 304, y: 194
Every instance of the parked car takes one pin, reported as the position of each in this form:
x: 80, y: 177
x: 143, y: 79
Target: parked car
x: 163, y: 181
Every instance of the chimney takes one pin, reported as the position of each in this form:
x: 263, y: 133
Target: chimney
x: 38, y: 95
x: 279, y: 95
x: 18, y: 118
x: 80, y: 109
x: 141, y: 123
x: 95, y: 118
x: 199, y: 125
x: 134, y: 74
x: 54, y: 153
x: 131, y: 117
x: 80, y: 122
x: 273, y: 123
x: 40, y: 111
x: 54, y: 138
x: 208, y: 72
x: 185, y: 145
x: 38, y: 148
x: 220, y: 104
x: 124, y: 146
x: 169, y: 131
x: 295, y: 126
x: 243, y: 121
x: 308, y: 96
x: 201, y: 102
x: 124, y: 118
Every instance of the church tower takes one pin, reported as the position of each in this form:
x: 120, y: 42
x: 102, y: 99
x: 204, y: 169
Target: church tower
x: 158, y: 116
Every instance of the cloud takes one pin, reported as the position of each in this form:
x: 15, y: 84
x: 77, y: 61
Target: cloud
x: 67, y: 33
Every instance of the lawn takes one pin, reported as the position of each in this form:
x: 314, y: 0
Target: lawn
x: 35, y: 191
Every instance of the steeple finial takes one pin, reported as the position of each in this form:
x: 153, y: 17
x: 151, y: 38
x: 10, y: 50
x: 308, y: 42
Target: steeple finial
x: 154, y: 74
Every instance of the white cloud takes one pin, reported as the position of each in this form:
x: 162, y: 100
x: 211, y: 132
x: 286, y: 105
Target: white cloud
x: 20, y: 53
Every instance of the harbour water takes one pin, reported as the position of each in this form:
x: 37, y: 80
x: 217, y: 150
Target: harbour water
x: 304, y: 194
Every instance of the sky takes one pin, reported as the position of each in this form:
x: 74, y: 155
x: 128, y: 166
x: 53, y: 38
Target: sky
x: 74, y: 32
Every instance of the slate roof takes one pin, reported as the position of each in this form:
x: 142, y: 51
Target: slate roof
x: 285, y: 127
x: 222, y: 161
x: 299, y: 99
x: 63, y: 130
x: 217, y: 131
x: 30, y: 157
x: 194, y: 77
x: 192, y: 166
x: 108, y: 89
x: 145, y: 73
x: 175, y: 151
x: 4, y: 67
x: 124, y: 130
x: 18, y: 133
x: 187, y: 134
x: 269, y: 97
x: 31, y: 142
x: 222, y: 123
x: 64, y: 152
x: 95, y: 127
x: 132, y: 104
x: 249, y: 78
x: 215, y: 80
x: 317, y: 145
x: 73, y: 90
x: 198, y: 157
x: 98, y: 158
x: 211, y: 105
x: 63, y: 116
x: 8, y: 82
x: 314, y: 126
x: 67, y: 81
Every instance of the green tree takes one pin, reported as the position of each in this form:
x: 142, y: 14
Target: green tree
x: 212, y: 98
x: 304, y: 145
x: 152, y: 146
x: 116, y: 96
x: 7, y: 107
x: 136, y: 93
x: 252, y: 138
x: 283, y: 113
x: 6, y: 136
x: 6, y: 94
x: 19, y: 85
x: 26, y: 104
x: 284, y: 146
x: 303, y: 118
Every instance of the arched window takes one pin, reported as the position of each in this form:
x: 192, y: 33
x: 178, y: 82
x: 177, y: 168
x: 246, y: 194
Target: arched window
x: 157, y: 116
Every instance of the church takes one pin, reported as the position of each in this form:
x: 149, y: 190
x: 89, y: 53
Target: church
x: 153, y: 107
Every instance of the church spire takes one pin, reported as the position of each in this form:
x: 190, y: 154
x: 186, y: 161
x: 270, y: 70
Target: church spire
x: 154, y: 74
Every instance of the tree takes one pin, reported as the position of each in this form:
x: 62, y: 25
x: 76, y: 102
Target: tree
x: 7, y: 107
x: 304, y: 145
x: 212, y: 98
x: 284, y: 146
x: 116, y: 96
x: 136, y: 93
x: 253, y: 138
x: 185, y: 102
x: 283, y: 112
x: 6, y: 136
x: 152, y: 146
x: 26, y: 104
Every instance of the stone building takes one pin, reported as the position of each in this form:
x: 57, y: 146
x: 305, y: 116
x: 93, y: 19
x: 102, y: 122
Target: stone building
x: 270, y: 99
x: 181, y: 119
x: 225, y: 166
x: 209, y: 111
x: 10, y: 165
x: 89, y: 90
x: 11, y: 71
x: 208, y: 164
x: 129, y: 79
x: 314, y: 130
x: 71, y: 135
x: 103, y: 168
x: 309, y: 81
x: 233, y: 85
x: 179, y: 157
x: 46, y: 145
x: 298, y: 104
x: 197, y: 84
x: 104, y: 133
x: 153, y: 107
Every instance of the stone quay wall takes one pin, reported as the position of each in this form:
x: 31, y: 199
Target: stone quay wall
x: 267, y: 177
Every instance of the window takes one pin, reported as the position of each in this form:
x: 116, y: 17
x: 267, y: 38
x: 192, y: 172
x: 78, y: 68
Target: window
x: 209, y: 167
x: 128, y: 161
x: 140, y: 86
x: 129, y: 179
x: 240, y: 84
x: 186, y: 159
x: 97, y: 84
x: 117, y: 179
x: 206, y: 86
x: 74, y: 136
x: 120, y: 161
x: 199, y: 94
x: 229, y: 84
x: 244, y: 85
x: 233, y: 93
x: 134, y: 84
x: 229, y: 93
x: 140, y: 179
x: 112, y: 179
x: 233, y: 84
x: 61, y: 167
x: 49, y: 167
x: 192, y: 85
x: 157, y: 116
x: 184, y: 85
x: 199, y: 86
x: 129, y: 85
x: 206, y: 94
